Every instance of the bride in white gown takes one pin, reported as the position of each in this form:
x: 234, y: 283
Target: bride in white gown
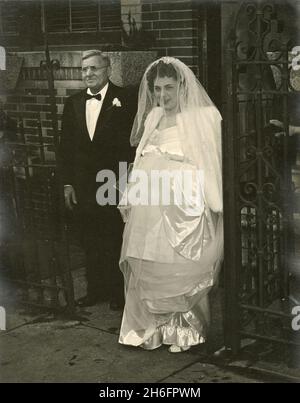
x: 172, y: 251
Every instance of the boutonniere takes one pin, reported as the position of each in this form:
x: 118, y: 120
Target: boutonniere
x: 116, y: 102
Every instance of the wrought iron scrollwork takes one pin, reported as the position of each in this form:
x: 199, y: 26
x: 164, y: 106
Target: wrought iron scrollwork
x: 261, y: 86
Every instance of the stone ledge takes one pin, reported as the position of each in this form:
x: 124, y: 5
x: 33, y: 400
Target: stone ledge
x: 10, y: 76
x: 127, y: 67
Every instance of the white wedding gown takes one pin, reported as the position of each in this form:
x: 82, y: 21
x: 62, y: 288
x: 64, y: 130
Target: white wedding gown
x: 169, y: 259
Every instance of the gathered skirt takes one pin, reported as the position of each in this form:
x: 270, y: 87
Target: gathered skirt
x: 170, y: 260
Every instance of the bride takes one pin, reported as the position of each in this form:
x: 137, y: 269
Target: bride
x: 172, y: 251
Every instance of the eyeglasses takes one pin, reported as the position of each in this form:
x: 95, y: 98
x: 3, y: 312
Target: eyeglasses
x: 93, y: 69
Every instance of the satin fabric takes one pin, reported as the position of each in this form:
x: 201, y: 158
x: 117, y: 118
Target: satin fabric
x: 170, y: 258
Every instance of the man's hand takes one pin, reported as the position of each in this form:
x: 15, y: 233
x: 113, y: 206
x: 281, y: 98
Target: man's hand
x: 279, y: 124
x: 292, y: 129
x: 70, y: 197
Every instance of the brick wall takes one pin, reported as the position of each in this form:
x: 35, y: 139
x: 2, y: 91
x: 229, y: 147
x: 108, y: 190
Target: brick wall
x: 30, y: 104
x: 71, y: 24
x: 174, y: 25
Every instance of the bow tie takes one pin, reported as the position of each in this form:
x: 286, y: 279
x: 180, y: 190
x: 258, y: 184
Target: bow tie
x: 96, y: 96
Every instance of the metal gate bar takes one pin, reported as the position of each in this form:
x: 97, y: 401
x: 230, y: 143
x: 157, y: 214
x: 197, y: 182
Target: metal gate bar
x: 39, y: 252
x: 257, y: 189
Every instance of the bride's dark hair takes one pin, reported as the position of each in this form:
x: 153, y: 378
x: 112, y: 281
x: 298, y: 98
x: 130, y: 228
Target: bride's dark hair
x: 161, y: 69
x: 191, y: 96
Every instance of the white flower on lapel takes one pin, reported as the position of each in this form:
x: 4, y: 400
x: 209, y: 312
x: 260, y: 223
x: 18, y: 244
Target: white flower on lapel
x: 116, y: 102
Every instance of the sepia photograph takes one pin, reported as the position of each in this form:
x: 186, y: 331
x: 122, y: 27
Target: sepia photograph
x: 149, y: 194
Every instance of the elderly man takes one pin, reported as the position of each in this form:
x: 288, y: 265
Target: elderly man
x: 95, y: 135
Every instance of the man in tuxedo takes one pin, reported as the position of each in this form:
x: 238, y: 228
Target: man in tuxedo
x: 96, y: 125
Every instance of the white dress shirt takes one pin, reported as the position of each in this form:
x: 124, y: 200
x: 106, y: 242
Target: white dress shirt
x: 93, y: 109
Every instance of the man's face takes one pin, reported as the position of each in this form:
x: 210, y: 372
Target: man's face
x: 95, y: 73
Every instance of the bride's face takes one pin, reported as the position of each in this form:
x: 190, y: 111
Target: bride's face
x: 166, y: 93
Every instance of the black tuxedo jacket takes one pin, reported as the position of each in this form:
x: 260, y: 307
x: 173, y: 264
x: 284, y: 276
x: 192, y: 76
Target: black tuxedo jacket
x: 80, y: 158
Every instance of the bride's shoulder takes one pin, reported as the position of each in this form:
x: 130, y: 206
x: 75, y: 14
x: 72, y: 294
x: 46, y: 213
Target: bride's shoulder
x: 212, y: 111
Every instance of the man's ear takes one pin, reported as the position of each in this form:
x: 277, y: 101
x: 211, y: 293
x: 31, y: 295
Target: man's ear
x: 109, y: 71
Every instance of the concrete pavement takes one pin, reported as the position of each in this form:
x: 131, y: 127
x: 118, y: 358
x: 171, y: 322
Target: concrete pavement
x: 44, y: 349
x: 41, y: 347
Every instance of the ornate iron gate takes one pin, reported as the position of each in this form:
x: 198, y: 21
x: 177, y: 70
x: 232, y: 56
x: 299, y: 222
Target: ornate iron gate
x: 258, y: 188
x: 34, y: 247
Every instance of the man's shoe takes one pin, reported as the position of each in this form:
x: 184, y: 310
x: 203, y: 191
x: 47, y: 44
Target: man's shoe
x: 86, y: 301
x: 116, y: 306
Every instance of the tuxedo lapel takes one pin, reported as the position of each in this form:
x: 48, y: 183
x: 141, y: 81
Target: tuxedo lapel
x: 79, y: 106
x: 106, y: 110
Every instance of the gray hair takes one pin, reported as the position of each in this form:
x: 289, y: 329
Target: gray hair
x: 94, y: 52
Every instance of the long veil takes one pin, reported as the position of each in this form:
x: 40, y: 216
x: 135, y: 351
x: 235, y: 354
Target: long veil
x: 170, y: 259
x: 199, y: 123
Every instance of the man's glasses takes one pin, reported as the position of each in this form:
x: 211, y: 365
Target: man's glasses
x: 93, y: 69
